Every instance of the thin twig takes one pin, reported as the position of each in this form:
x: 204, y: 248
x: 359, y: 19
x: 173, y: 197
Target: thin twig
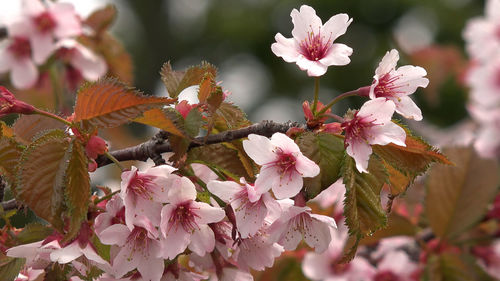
x: 9, y: 205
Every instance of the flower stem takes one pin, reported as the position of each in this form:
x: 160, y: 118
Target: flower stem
x: 56, y: 88
x: 112, y: 158
x: 316, y: 94
x: 53, y: 116
x: 105, y: 197
x: 363, y: 91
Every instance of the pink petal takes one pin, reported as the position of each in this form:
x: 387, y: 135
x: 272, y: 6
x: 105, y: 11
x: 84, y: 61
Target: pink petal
x: 406, y: 107
x: 289, y: 186
x: 304, y: 22
x: 116, y: 234
x: 68, y: 24
x: 316, y: 266
x: 89, y: 64
x: 388, y: 133
x: 337, y: 55
x: 268, y: 177
x: 313, y: 68
x: 291, y: 238
x: 92, y: 255
x: 25, y: 250
x: 259, y: 148
x: 175, y: 242
x: 284, y: 142
x: 5, y: 60
x: 42, y: 45
x: 410, y: 78
x: 143, y: 209
x: 387, y: 64
x: 202, y: 240
x: 66, y: 254
x: 181, y: 189
x: 379, y: 109
x: 306, y: 167
x: 225, y: 190
x: 285, y: 48
x: 249, y: 220
x: 203, y: 172
x: 125, y: 261
x: 317, y: 235
x: 360, y: 151
x: 33, y: 7
x: 24, y: 74
x: 335, y: 26
x: 151, y: 268
x: 207, y: 213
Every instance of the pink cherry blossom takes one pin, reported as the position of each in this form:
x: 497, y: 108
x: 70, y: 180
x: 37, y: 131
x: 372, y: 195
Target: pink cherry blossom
x: 297, y: 223
x: 29, y: 274
x: 396, y: 265
x: 487, y: 142
x: 333, y: 195
x: 90, y: 65
x: 184, y: 221
x: 371, y: 125
x: 484, y: 82
x: 312, y: 47
x: 397, y: 84
x: 144, y: 192
x: 37, y: 254
x: 138, y: 248
x: 115, y: 213
x: 16, y: 56
x: 47, y: 23
x: 482, y: 35
x: 326, y: 266
x: 283, y: 165
x: 250, y: 208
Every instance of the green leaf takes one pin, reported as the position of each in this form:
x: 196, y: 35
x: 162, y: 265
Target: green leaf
x: 33, y: 232
x: 454, y: 267
x: 101, y: 19
x: 362, y: 209
x: 77, y: 191
x: 327, y: 151
x: 458, y: 196
x: 192, y: 123
x: 229, y: 117
x: 10, y: 267
x: 108, y: 103
x: 176, y: 81
x: 40, y: 176
x: 219, y: 156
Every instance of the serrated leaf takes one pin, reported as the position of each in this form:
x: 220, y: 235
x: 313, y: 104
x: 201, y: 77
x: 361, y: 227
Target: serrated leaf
x: 27, y: 127
x: 10, y: 151
x: 77, y: 191
x: 5, y: 130
x: 108, y: 103
x: 458, y: 196
x: 10, y: 267
x: 229, y: 117
x: 398, y: 182
x: 220, y: 157
x: 412, y: 160
x: 156, y: 117
x: 40, y: 177
x: 192, y: 123
x: 176, y: 81
x: 33, y: 232
x: 362, y: 208
x: 325, y: 150
x: 101, y: 19
x: 207, y: 87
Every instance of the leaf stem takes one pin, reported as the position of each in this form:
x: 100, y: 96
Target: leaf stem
x: 363, y: 91
x: 112, y: 158
x: 316, y: 94
x: 105, y: 197
x: 53, y: 116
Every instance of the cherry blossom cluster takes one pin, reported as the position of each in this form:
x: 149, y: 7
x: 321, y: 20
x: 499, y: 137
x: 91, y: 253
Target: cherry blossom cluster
x: 482, y: 36
x: 43, y: 30
x: 313, y: 49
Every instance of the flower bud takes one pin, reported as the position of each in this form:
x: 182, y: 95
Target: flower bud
x: 9, y: 104
x: 95, y: 146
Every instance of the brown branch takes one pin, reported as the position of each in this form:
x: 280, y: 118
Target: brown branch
x: 158, y: 144
x: 9, y: 205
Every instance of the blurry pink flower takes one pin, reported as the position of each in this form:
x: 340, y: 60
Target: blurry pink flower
x: 392, y: 244
x: 333, y: 195
x: 326, y: 266
x: 396, y: 85
x: 250, y: 208
x: 16, y: 56
x: 283, y: 165
x: 487, y: 142
x: 482, y: 35
x: 312, y: 46
x: 484, y: 82
x: 184, y: 221
x: 297, y: 223
x: 144, y: 192
x: 395, y: 265
x: 90, y: 65
x: 29, y: 274
x: 139, y: 248
x: 371, y: 125
x: 47, y: 23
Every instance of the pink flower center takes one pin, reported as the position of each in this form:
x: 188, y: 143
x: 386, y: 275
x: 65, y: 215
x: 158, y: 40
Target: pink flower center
x: 356, y: 129
x: 314, y: 47
x: 285, y: 162
x: 338, y: 268
x: 138, y: 241
x: 386, y: 276
x: 44, y: 22
x: 20, y: 47
x: 184, y: 216
x: 386, y: 86
x: 142, y: 185
x: 119, y: 218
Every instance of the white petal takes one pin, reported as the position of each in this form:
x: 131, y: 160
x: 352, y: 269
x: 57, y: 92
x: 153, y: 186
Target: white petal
x: 124, y: 261
x: 259, y: 148
x: 116, y: 234
x: 317, y: 235
x: 225, y: 190
x: 388, y: 133
x: 250, y: 219
x: 410, y: 78
x: 207, y: 213
x: 268, y: 177
x: 379, y: 109
x: 291, y: 238
x: 24, y: 74
x: 337, y: 55
x: 33, y: 7
x: 202, y: 240
x: 92, y: 255
x: 25, y: 250
x: 304, y: 22
x: 406, y: 107
x: 68, y: 24
x: 66, y: 254
x: 284, y: 142
x: 335, y: 26
x: 360, y: 151
x: 286, y: 48
x: 43, y: 46
x: 289, y: 186
x: 306, y: 167
x: 313, y: 68
x: 387, y: 64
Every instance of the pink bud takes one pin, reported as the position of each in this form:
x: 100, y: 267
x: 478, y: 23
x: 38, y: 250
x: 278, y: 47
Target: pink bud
x: 95, y: 146
x: 9, y: 104
x: 334, y: 128
x: 184, y: 108
x: 307, y: 111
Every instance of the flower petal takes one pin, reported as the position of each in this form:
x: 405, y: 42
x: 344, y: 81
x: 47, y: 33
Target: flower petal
x: 207, y: 213
x: 388, y: 133
x: 225, y: 190
x: 290, y: 185
x: 360, y: 151
x: 43, y: 46
x: 335, y: 26
x: 306, y: 167
x: 406, y: 107
x: 337, y: 55
x: 285, y: 48
x: 116, y: 234
x: 286, y: 144
x: 304, y: 22
x: 259, y: 148
x: 387, y: 64
x: 313, y: 68
x: 202, y: 240
x: 24, y: 74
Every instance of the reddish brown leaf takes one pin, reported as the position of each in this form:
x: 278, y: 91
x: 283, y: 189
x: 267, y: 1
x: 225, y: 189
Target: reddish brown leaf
x: 101, y: 19
x: 28, y: 126
x: 176, y: 81
x: 157, y: 118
